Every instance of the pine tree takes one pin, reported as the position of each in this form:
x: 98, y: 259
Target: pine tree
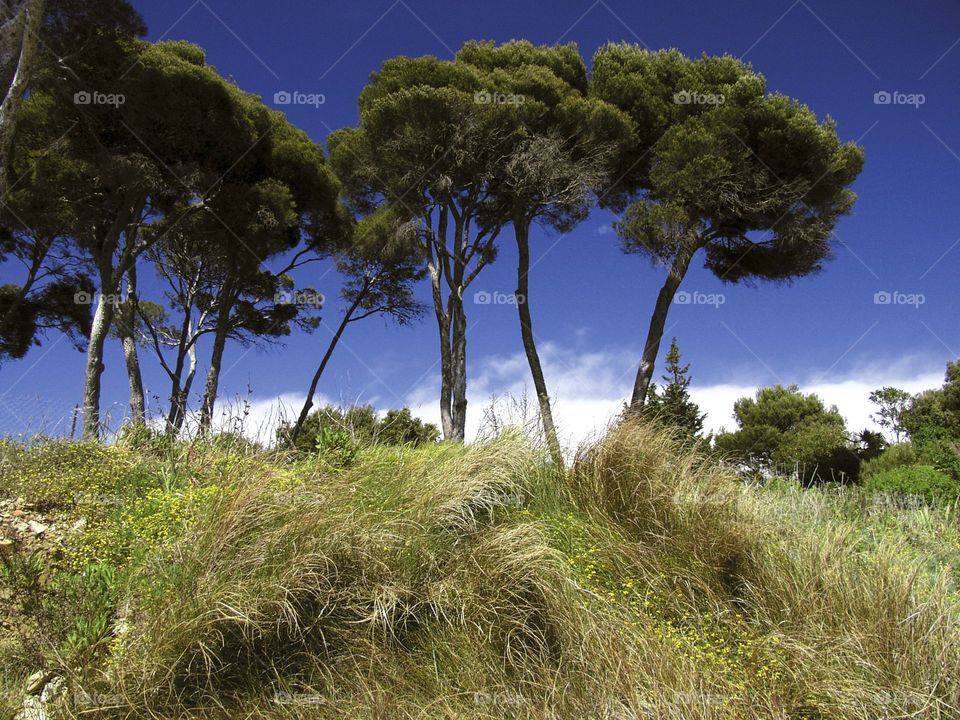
x: 673, y: 406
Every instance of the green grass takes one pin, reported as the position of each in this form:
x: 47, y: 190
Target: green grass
x: 477, y: 582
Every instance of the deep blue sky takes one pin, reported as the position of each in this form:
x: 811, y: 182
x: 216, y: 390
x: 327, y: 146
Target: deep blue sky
x: 587, y: 296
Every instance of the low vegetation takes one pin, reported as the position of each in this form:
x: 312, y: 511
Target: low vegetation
x: 220, y: 579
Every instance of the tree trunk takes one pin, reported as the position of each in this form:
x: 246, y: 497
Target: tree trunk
x: 522, y: 233
x: 436, y: 247
x: 180, y: 391
x: 458, y: 379
x: 216, y: 361
x: 127, y: 329
x: 657, y: 322
x: 308, y: 403
x: 29, y: 37
x: 102, y: 319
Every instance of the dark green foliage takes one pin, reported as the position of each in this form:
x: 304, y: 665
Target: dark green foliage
x: 331, y: 426
x: 781, y: 430
x: 923, y: 481
x: 673, y: 406
x: 895, y: 456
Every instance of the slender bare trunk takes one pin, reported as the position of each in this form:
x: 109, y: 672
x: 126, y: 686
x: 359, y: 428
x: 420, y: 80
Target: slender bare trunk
x: 522, y: 233
x: 102, y: 319
x: 308, y: 403
x: 436, y: 248
x: 29, y: 32
x: 458, y: 379
x: 216, y: 359
x: 657, y: 322
x: 126, y: 325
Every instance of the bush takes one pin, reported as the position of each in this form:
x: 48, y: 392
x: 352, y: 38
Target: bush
x: 918, y: 480
x: 65, y: 474
x: 895, y: 456
x: 361, y: 423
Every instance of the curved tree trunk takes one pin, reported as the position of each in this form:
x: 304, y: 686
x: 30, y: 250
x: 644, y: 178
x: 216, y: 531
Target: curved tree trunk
x: 30, y: 18
x: 522, y: 233
x: 127, y: 328
x: 657, y: 322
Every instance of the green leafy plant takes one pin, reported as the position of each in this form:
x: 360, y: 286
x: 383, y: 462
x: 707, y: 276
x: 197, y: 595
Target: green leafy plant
x: 923, y: 481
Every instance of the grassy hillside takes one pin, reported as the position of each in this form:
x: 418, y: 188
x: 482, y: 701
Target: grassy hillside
x: 217, y: 580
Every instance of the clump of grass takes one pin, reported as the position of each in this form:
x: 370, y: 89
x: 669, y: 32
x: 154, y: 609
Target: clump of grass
x: 449, y: 581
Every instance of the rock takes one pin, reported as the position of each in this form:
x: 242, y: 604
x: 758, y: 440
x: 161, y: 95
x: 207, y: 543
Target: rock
x: 36, y: 681
x: 18, y: 513
x: 32, y: 710
x: 53, y: 689
x: 37, y: 528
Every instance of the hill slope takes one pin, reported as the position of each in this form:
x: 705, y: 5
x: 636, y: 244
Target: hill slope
x: 452, y: 582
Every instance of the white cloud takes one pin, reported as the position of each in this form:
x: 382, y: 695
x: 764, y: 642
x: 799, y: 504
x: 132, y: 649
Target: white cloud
x: 589, y: 389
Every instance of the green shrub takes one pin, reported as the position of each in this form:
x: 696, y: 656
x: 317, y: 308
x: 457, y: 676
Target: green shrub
x: 64, y: 474
x: 895, y: 456
x: 337, y: 447
x: 365, y: 427
x: 944, y: 455
x: 923, y: 481
x: 141, y: 525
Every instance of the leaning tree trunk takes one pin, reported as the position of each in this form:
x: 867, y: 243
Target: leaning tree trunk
x: 308, y: 403
x: 127, y: 328
x: 216, y: 362
x: 657, y: 322
x: 522, y: 233
x: 29, y: 35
